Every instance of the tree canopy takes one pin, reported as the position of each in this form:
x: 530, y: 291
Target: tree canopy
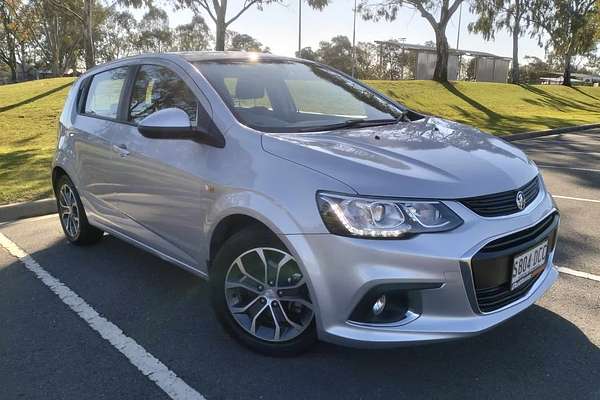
x: 573, y: 27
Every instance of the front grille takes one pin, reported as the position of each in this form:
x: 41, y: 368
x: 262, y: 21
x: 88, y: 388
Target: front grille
x: 495, y: 205
x: 492, y: 265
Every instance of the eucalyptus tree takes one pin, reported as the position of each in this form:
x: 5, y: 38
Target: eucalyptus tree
x: 437, y: 12
x: 14, y: 18
x: 245, y: 42
x: 155, y: 35
x: 572, y: 26
x: 8, y: 41
x: 193, y: 36
x: 56, y: 35
x: 89, y: 14
x: 118, y: 36
x: 513, y: 16
x: 217, y: 10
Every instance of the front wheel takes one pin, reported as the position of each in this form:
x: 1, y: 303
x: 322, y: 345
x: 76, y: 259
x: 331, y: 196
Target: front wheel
x: 261, y: 296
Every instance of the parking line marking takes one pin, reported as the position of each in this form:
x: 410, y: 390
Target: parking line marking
x: 580, y: 274
x: 573, y: 168
x: 575, y: 198
x: 145, y: 362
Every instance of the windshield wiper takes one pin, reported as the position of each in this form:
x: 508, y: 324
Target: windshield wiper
x: 352, y: 123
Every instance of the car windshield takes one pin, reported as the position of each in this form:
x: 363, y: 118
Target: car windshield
x: 293, y: 96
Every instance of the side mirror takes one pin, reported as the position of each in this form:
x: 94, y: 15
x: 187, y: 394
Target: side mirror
x: 174, y: 123
x: 168, y: 123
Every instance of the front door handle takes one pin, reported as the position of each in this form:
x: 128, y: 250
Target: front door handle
x: 121, y: 149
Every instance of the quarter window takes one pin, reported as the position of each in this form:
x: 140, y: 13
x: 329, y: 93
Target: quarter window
x: 156, y: 88
x: 104, y: 93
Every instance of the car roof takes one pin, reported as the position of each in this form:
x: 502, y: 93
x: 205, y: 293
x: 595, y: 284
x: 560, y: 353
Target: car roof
x: 192, y: 56
x: 198, y: 56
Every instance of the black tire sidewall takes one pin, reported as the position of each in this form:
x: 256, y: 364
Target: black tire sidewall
x: 235, y: 246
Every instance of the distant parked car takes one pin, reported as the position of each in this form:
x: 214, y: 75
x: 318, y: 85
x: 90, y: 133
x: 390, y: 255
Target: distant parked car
x: 317, y: 207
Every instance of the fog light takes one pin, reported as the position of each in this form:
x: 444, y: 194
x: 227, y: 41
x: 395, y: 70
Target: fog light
x: 379, y: 305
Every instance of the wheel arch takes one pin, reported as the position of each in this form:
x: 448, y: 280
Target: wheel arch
x: 229, y: 226
x: 57, y: 172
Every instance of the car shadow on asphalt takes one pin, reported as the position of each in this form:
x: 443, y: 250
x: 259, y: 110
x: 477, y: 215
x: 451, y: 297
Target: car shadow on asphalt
x: 537, y: 354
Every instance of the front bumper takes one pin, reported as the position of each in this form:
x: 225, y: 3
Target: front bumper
x: 341, y: 270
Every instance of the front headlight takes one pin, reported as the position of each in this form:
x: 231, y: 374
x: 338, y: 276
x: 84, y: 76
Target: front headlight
x: 383, y: 218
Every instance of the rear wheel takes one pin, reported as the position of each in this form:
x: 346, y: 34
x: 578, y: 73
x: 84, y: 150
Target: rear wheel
x: 72, y: 215
x: 261, y: 295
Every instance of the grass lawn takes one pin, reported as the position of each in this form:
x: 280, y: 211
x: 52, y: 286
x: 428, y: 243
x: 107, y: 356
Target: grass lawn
x: 28, y: 120
x: 29, y: 114
x: 499, y: 108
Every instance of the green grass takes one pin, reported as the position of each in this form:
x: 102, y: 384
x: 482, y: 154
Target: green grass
x: 28, y: 120
x: 29, y: 114
x: 499, y: 108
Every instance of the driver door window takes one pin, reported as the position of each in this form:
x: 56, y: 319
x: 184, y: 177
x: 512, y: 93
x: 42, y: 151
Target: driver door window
x: 156, y: 88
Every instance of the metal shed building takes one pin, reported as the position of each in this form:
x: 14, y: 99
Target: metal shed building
x: 489, y: 67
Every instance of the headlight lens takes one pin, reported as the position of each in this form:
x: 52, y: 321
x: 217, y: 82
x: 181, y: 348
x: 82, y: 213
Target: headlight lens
x: 383, y: 218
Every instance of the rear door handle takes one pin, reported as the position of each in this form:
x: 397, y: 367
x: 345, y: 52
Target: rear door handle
x: 121, y: 149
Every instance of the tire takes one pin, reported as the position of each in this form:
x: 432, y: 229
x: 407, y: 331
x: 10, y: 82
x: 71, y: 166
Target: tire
x: 272, y: 294
x: 77, y: 228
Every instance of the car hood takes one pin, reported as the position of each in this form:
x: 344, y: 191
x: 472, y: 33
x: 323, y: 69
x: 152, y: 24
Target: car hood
x: 428, y: 158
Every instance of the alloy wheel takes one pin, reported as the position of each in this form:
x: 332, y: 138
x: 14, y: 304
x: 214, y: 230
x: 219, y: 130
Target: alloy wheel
x: 267, y: 294
x: 69, y: 211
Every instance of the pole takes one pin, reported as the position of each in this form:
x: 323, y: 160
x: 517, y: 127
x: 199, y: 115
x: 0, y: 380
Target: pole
x: 299, y: 26
x: 354, y: 43
x: 458, y: 41
x: 459, y: 23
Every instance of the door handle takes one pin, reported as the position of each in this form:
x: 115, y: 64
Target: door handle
x: 121, y: 149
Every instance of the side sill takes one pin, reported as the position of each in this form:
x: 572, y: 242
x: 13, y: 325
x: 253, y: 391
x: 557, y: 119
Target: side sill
x: 152, y: 250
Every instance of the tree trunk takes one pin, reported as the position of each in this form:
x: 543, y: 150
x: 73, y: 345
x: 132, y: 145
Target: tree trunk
x: 440, y: 74
x: 516, y: 32
x: 11, y: 57
x: 13, y: 61
x: 221, y: 29
x: 23, y: 65
x: 90, y: 58
x: 567, y: 73
x: 13, y: 73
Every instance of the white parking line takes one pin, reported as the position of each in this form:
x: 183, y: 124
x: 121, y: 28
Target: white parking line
x: 575, y: 198
x: 580, y: 274
x: 573, y: 168
x: 148, y: 365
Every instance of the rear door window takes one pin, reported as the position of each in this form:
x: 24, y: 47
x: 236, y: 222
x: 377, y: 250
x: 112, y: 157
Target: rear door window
x: 104, y: 93
x: 157, y: 88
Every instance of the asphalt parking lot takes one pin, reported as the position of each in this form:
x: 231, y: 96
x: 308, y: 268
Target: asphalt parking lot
x: 550, y: 351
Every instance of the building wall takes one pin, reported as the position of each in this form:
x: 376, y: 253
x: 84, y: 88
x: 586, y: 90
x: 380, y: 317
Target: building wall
x: 492, y: 69
x: 426, y: 66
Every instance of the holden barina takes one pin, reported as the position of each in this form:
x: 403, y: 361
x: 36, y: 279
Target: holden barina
x: 316, y: 207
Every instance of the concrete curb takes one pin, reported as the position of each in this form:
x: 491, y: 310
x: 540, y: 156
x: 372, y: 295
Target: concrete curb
x: 27, y: 209
x: 536, y: 134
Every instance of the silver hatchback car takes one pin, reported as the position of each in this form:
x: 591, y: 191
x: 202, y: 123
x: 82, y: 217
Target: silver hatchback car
x: 318, y: 208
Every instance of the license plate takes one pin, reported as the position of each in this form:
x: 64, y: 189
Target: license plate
x: 526, y: 263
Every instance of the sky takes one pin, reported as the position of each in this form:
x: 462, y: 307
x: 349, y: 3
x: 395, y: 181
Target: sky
x: 277, y: 27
